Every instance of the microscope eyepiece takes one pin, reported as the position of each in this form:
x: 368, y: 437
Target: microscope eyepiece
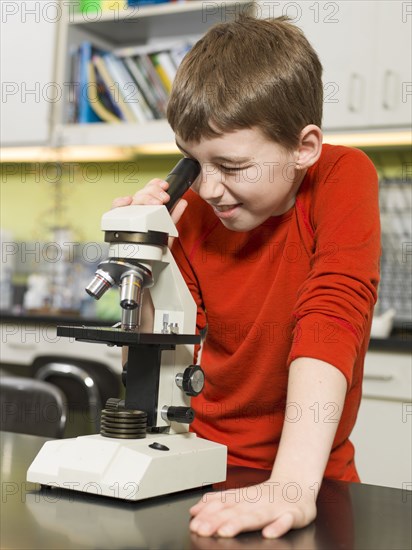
x: 180, y: 179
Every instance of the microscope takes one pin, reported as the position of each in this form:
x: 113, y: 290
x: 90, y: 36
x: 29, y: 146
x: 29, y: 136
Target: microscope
x: 144, y: 448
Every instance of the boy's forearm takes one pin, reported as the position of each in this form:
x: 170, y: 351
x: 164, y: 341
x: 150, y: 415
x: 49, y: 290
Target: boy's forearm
x: 315, y: 399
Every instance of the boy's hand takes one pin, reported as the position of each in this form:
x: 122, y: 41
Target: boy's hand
x: 263, y: 506
x: 154, y: 193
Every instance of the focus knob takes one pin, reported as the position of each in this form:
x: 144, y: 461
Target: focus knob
x: 191, y: 381
x: 184, y: 415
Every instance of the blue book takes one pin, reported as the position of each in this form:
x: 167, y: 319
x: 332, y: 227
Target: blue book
x: 145, y: 2
x: 85, y: 111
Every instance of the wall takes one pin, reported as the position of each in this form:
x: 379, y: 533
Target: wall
x: 35, y: 198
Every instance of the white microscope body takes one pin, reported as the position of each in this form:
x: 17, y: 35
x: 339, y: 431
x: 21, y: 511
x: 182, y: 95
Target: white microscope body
x: 155, y: 453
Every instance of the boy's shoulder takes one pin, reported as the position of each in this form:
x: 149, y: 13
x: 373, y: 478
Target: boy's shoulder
x: 337, y: 154
x: 339, y: 164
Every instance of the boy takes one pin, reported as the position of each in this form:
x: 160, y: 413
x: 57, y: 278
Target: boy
x: 279, y: 245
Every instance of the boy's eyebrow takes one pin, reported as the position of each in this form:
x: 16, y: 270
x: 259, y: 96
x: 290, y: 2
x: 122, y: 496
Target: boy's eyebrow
x: 235, y: 159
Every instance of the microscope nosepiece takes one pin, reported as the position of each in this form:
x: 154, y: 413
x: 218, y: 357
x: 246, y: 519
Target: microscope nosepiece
x: 100, y: 283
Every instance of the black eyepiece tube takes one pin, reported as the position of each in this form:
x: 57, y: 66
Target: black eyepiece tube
x: 180, y: 179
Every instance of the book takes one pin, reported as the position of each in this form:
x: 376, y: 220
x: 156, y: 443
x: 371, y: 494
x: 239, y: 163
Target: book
x: 112, y: 85
x: 126, y: 88
x: 96, y: 102
x: 116, y: 6
x: 134, y: 3
x: 165, y: 61
x: 134, y: 96
x: 158, y: 63
x: 177, y: 53
x: 105, y: 95
x: 144, y: 86
x: 74, y: 79
x: 85, y: 112
x: 90, y: 6
x: 154, y: 79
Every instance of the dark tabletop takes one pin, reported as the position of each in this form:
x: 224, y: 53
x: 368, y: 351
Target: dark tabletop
x: 350, y: 515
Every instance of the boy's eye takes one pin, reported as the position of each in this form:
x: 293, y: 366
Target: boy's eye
x: 232, y: 169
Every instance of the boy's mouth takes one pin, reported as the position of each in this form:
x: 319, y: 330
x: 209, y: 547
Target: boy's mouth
x: 225, y: 210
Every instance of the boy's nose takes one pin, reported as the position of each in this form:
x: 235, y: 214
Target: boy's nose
x: 209, y: 184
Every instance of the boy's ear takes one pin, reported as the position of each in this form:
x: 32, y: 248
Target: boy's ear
x: 310, y: 146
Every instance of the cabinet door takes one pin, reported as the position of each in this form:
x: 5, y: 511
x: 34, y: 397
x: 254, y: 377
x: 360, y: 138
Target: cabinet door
x: 342, y: 34
x: 28, y: 32
x: 382, y: 440
x: 392, y: 81
x: 383, y: 432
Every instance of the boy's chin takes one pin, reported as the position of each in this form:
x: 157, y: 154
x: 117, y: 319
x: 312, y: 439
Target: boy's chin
x: 241, y: 224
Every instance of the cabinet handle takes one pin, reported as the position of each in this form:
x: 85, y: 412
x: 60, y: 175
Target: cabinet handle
x: 379, y: 377
x: 389, y: 77
x: 355, y: 93
x: 21, y: 345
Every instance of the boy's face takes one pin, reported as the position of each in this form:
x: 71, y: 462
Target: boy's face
x: 245, y: 177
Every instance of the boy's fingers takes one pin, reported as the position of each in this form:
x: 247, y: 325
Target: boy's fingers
x: 178, y: 210
x: 121, y: 201
x: 153, y: 193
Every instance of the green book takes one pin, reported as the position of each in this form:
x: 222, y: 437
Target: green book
x: 90, y: 6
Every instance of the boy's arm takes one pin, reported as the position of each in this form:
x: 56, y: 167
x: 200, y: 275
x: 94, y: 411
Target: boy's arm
x: 288, y: 498
x: 315, y: 399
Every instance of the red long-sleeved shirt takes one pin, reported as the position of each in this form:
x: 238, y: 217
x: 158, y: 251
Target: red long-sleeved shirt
x: 302, y: 284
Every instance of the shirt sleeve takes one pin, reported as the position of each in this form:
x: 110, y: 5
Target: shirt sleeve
x: 335, y: 304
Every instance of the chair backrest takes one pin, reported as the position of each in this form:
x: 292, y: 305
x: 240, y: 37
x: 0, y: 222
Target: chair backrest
x: 31, y: 406
x: 86, y: 384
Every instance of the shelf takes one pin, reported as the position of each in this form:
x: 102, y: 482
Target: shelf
x: 123, y: 134
x: 139, y: 12
x: 120, y: 28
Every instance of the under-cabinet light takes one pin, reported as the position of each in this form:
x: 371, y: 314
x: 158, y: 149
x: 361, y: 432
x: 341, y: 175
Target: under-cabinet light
x: 382, y: 138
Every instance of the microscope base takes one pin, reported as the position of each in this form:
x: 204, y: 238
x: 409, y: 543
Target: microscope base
x: 128, y: 468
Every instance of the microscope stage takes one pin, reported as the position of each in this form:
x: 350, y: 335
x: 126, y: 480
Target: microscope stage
x: 119, y: 337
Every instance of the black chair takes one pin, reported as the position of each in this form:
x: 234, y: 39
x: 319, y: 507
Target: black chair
x: 86, y: 384
x: 31, y: 407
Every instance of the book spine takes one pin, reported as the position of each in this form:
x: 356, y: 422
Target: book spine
x: 120, y: 86
x: 133, y: 95
x: 86, y: 113
x: 145, y: 89
x: 113, y: 87
x: 161, y: 71
x: 155, y: 80
x: 90, y: 6
x: 116, y: 6
x: 133, y: 3
x: 156, y: 88
x: 99, y: 108
x: 73, y: 96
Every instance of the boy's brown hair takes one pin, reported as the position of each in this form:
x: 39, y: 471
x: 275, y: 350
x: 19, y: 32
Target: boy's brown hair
x: 248, y: 73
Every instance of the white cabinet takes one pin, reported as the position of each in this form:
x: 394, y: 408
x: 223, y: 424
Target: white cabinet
x: 392, y: 82
x: 365, y: 49
x: 383, y: 432
x: 28, y: 89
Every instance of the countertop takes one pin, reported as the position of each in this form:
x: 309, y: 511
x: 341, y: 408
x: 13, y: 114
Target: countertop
x: 351, y: 516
